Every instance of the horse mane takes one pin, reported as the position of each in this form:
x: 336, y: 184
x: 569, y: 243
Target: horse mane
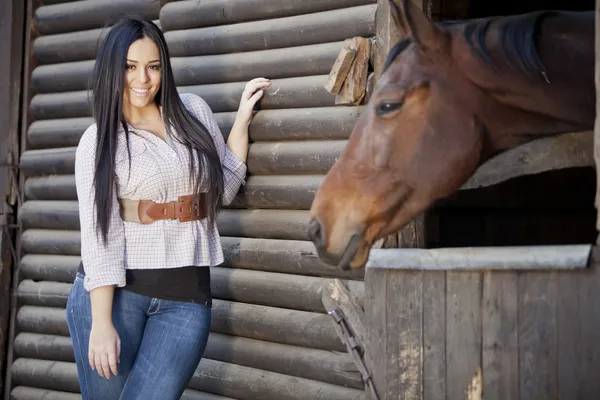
x: 518, y: 40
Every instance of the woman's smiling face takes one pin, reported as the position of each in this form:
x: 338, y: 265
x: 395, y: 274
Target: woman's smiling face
x: 143, y: 73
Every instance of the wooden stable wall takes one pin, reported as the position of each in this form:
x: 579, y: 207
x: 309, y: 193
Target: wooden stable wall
x: 270, y: 336
x: 443, y: 324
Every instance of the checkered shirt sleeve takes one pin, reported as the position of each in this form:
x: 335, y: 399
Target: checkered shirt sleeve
x: 103, y: 262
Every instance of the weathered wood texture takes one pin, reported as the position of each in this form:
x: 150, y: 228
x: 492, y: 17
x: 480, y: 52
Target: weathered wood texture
x: 299, y: 30
x: 297, y: 92
x: 273, y: 324
x: 247, y: 286
x: 193, y: 14
x: 285, y: 256
x: 302, y: 157
x: 597, y: 122
x: 319, y: 365
x: 30, y: 393
x: 498, y: 334
x: 288, y: 62
x: 242, y: 382
x: 319, y: 123
x: 80, y: 15
x: 12, y: 44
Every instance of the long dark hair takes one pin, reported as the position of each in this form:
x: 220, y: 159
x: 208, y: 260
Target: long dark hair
x: 108, y: 86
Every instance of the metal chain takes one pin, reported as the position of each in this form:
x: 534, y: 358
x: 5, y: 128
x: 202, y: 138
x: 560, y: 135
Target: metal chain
x: 355, y: 350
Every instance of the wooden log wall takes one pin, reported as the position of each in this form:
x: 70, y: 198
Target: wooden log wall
x: 271, y: 337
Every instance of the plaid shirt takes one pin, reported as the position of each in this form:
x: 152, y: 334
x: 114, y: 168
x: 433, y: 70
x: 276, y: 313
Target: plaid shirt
x: 159, y: 172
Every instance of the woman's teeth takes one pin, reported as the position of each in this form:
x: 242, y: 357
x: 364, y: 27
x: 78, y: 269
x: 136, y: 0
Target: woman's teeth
x: 140, y: 92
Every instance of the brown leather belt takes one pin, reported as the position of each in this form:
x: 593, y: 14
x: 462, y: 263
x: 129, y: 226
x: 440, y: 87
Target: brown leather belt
x: 185, y: 209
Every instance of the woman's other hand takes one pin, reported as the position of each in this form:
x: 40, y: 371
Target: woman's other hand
x: 104, y: 349
x: 252, y: 93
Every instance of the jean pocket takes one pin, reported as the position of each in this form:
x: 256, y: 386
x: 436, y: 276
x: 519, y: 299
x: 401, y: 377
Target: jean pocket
x: 79, y: 277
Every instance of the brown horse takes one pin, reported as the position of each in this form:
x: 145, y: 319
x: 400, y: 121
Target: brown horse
x: 450, y: 97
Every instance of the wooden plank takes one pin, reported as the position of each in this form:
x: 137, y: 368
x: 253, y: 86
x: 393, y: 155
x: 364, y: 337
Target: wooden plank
x: 354, y: 86
x: 463, y: 333
x: 387, y: 34
x: 376, y: 315
x: 80, y: 15
x: 320, y: 365
x: 596, y: 141
x: 300, y: 92
x: 538, y: 355
x: 340, y: 70
x: 68, y: 47
x: 434, y: 335
x: 315, y: 59
x: 241, y: 382
x: 280, y: 158
x: 193, y: 14
x: 567, y: 150
x: 299, y: 30
x: 312, y: 123
x: 500, y: 336
x: 404, y: 325
x: 578, y: 322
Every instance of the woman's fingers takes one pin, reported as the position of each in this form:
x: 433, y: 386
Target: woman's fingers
x: 112, y: 360
x: 91, y: 359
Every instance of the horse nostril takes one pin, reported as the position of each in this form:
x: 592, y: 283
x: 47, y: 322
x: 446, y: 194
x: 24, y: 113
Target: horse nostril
x: 314, y: 232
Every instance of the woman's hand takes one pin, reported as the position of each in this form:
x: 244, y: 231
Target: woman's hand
x: 252, y: 93
x: 104, y: 349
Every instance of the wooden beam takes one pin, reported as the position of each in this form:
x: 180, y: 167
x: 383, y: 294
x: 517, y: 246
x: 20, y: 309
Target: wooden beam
x: 178, y: 15
x: 597, y: 123
x: 340, y: 70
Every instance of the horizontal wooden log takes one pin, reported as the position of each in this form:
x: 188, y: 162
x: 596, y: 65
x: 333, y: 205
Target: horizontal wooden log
x: 29, y: 393
x: 82, y: 15
x: 53, y: 255
x: 289, y: 62
x: 299, y: 30
x: 268, y: 224
x: 568, y: 150
x: 267, y: 125
x: 281, y: 192
x: 42, y: 320
x: 295, y: 157
x: 247, y: 286
x: 306, y: 91
x: 48, y: 267
x: 53, y: 187
x: 209, y: 375
x: 319, y: 365
x: 62, y: 77
x: 283, y: 93
x: 305, y: 157
x: 57, y: 161
x: 44, y: 294
x: 278, y: 325
x: 299, y: 328
x: 44, y: 347
x: 68, y: 47
x: 57, y: 132
x: 248, y: 384
x: 54, y: 242
x: 193, y: 14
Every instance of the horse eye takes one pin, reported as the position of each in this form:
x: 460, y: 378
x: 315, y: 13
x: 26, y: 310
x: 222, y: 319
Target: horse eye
x: 386, y: 108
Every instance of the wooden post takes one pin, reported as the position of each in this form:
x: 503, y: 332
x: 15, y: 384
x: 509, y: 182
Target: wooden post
x: 378, y: 325
x: 597, y: 122
x: 12, y: 17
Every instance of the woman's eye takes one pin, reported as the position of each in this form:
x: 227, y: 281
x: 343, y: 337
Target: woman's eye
x: 155, y: 67
x: 130, y: 66
x: 387, y: 107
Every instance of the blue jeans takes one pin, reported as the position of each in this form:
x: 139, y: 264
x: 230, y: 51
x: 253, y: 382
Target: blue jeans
x: 162, y: 342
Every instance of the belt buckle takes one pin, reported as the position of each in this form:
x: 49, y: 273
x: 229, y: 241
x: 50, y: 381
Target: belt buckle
x: 187, y: 208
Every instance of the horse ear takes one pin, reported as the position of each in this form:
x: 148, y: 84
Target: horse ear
x: 414, y: 23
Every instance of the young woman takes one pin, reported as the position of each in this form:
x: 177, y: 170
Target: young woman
x: 151, y: 176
